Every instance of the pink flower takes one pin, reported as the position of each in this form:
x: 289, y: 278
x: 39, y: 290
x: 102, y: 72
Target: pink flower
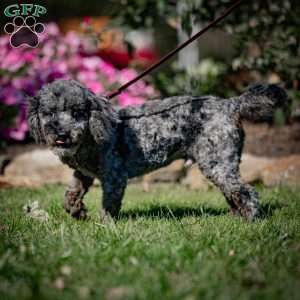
x: 19, y: 132
x: 95, y: 86
x: 74, y: 61
x: 51, y: 32
x: 4, y: 41
x: 19, y: 82
x: 9, y: 96
x: 40, y: 64
x: 62, y: 66
x: 126, y: 99
x: 51, y: 29
x: 84, y: 76
x: 29, y: 56
x: 126, y: 75
x: 49, y: 49
x: 108, y: 70
x: 12, y: 62
x: 25, y: 70
x: 4, y: 47
x: 61, y: 50
x: 91, y: 63
x: 72, y: 40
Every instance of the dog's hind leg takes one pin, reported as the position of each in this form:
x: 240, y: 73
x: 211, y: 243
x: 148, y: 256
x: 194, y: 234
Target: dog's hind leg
x: 74, y: 194
x: 218, y: 157
x: 242, y: 198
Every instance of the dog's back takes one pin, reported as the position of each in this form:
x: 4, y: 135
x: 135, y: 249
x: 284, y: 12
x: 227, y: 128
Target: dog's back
x: 157, y: 132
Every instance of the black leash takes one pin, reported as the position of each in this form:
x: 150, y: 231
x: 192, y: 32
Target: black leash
x: 173, y: 52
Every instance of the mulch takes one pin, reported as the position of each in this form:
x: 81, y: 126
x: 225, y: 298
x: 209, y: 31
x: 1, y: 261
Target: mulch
x: 272, y: 141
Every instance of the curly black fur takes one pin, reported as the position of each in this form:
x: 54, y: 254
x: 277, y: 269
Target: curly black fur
x: 102, y: 141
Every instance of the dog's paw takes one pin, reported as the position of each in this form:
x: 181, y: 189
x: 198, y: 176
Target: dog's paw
x: 106, y: 217
x: 249, y: 213
x: 78, y: 211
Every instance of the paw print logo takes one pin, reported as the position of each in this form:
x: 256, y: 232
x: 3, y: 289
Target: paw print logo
x: 24, y: 31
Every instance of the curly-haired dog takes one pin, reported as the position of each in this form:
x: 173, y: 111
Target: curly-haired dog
x: 102, y: 141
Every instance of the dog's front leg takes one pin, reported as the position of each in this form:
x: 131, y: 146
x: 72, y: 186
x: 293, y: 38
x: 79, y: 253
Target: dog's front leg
x: 74, y: 194
x: 113, y: 190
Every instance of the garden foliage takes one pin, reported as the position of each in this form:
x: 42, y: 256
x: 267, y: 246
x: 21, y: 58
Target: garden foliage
x: 265, y: 33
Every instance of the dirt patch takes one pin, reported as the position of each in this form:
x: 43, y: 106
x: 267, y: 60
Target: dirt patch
x: 13, y: 150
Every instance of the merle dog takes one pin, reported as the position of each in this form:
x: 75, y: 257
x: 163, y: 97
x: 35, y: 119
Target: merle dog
x: 100, y: 140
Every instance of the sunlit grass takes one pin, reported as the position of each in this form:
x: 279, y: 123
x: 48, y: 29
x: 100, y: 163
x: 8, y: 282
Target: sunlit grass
x: 170, y: 243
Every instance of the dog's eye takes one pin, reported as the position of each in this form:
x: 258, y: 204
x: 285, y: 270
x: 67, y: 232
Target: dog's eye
x: 49, y: 114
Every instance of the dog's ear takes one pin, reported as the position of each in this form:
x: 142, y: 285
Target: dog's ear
x: 103, y: 120
x: 34, y: 120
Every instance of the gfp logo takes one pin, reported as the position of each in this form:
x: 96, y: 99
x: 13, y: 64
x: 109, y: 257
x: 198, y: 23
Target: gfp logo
x: 24, y: 30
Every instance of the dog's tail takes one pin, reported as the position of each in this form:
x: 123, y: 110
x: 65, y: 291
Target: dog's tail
x: 260, y: 101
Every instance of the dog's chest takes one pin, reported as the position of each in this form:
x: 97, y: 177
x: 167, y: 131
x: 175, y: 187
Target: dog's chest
x: 86, y: 163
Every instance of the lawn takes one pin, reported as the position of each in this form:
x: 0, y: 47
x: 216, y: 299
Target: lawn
x: 170, y: 243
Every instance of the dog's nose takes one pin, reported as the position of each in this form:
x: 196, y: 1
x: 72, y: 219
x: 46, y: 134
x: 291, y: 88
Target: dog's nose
x: 61, y: 135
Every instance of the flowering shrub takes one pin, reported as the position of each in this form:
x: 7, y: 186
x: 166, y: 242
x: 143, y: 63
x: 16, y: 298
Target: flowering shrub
x: 23, y: 71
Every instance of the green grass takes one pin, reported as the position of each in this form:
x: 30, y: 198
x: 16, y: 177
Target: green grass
x: 171, y: 243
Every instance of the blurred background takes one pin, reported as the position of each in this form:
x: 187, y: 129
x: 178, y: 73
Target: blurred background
x: 103, y: 44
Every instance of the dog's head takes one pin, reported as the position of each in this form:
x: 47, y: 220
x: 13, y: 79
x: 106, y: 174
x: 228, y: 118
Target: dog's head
x: 64, y: 112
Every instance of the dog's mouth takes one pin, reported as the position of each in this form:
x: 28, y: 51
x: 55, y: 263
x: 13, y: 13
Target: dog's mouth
x: 63, y: 144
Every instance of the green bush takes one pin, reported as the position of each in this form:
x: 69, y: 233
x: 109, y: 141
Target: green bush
x: 266, y: 35
x: 203, y: 79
